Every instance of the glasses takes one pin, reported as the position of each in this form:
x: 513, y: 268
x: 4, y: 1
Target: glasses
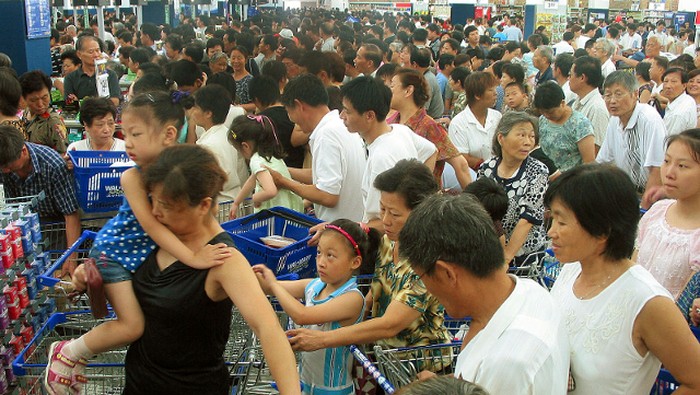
x: 615, y: 95
x: 430, y: 270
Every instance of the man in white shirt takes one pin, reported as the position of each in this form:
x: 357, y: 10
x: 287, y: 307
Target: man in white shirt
x: 660, y: 34
x: 631, y: 40
x: 517, y: 343
x: 681, y: 111
x: 327, y: 40
x: 562, y: 70
x: 604, y: 49
x: 337, y: 156
x: 366, y: 102
x: 587, y: 34
x: 586, y: 77
x: 634, y: 141
x: 212, y: 103
x: 368, y: 59
x: 564, y: 46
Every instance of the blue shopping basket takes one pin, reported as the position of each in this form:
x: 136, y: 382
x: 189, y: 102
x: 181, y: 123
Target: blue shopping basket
x: 97, y: 176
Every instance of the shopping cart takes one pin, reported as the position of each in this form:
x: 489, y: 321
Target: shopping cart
x: 401, y: 365
x: 31, y: 201
x: 224, y: 210
x: 531, y: 267
x: 105, y: 373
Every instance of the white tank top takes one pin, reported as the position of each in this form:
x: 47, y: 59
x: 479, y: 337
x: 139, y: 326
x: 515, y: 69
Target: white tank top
x: 603, y: 357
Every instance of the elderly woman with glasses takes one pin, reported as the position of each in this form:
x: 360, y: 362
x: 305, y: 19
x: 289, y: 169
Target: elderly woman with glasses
x: 524, y: 179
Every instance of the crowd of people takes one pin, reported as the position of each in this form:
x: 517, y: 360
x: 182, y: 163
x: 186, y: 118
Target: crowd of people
x: 440, y: 157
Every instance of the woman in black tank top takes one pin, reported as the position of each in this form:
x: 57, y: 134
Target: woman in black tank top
x: 188, y: 311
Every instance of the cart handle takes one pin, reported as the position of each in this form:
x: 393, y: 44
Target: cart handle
x: 373, y: 371
x: 47, y: 279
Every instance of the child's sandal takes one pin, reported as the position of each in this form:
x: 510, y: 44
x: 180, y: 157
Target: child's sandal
x: 77, y: 378
x: 54, y: 382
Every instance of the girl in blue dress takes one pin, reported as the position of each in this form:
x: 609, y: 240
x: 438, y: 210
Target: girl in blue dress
x: 331, y: 301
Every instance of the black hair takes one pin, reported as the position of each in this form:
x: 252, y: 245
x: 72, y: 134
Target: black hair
x: 187, y: 172
x: 276, y: 70
x: 11, y: 144
x: 259, y: 130
x: 591, y: 68
x: 491, y: 195
x: 608, y: 208
x: 368, y: 94
x: 150, y: 82
x: 34, y: 81
x: 139, y: 55
x: 72, y: 55
x: 420, y: 34
x: 496, y: 53
x: 367, y: 240
x: 410, y: 179
x: 306, y: 88
x: 435, y: 232
x: 445, y: 60
x: 214, y: 98
x: 548, y: 95
x: 185, y: 73
x: 264, y: 89
x: 515, y: 71
x: 563, y: 62
x: 10, y: 92
x: 642, y: 69
x: 691, y: 138
x: 677, y: 70
x: 159, y: 107
x: 149, y: 67
x: 175, y: 42
x: 460, y: 74
x: 194, y: 51
x: 387, y: 70
x: 96, y: 107
x: 214, y: 42
x: 151, y: 30
x: 225, y: 80
x: 421, y: 56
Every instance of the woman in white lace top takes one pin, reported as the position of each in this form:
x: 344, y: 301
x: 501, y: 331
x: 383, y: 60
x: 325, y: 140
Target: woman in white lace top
x: 622, y: 323
x: 669, y: 233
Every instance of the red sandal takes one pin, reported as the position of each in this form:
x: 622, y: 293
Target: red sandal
x: 54, y: 382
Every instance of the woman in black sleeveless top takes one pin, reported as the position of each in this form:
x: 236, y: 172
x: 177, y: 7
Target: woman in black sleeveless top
x: 188, y: 311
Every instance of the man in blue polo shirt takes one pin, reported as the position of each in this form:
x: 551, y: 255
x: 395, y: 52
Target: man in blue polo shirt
x: 28, y: 168
x: 82, y: 82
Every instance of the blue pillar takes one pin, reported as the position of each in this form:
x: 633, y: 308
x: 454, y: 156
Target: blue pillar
x: 530, y: 11
x: 154, y: 13
x: 26, y: 54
